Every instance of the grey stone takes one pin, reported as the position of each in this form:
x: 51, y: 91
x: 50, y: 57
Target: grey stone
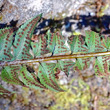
x: 22, y: 9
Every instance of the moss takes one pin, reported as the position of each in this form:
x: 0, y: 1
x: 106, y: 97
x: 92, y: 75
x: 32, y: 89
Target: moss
x: 73, y: 97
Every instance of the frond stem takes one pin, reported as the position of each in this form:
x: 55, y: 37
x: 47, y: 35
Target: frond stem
x: 58, y: 57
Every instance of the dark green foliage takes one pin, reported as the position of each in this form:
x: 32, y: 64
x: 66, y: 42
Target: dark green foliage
x: 56, y: 43
x: 93, y: 42
x: 30, y: 79
x: 102, y: 66
x: 22, y: 39
x: 77, y: 44
x: 46, y: 75
x: 51, y: 44
x: 6, y: 38
x: 65, y: 66
x: 10, y: 75
x: 40, y: 47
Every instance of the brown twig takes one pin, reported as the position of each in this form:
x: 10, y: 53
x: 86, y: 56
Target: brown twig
x: 59, y: 57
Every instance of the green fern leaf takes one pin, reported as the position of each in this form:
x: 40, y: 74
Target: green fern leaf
x: 30, y: 79
x: 56, y: 43
x: 65, y: 66
x: 77, y: 44
x: 93, y: 42
x: 84, y: 49
x: 79, y: 65
x: 46, y: 76
x: 82, y: 63
x: 107, y: 43
x: 10, y: 75
x: 23, y: 37
x: 6, y: 38
x: 40, y: 47
x: 102, y: 66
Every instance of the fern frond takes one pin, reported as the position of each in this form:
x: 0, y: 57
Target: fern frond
x: 22, y: 39
x: 30, y: 79
x: 93, y: 41
x: 65, y: 66
x: 56, y: 43
x: 82, y: 49
x: 40, y: 47
x: 102, y: 66
x: 4, y: 92
x: 10, y: 75
x: 46, y: 76
x: 77, y: 44
x: 6, y: 38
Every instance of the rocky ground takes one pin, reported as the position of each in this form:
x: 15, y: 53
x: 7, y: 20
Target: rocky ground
x: 71, y: 17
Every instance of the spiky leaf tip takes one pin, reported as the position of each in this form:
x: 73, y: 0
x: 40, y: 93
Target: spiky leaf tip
x: 23, y: 37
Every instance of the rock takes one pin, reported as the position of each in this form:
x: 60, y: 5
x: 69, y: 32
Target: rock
x: 22, y: 9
